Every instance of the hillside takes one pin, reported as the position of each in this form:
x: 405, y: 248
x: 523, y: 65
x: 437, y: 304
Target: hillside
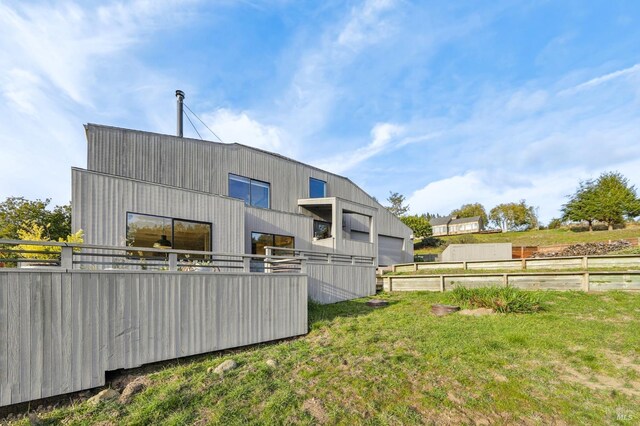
x: 543, y: 237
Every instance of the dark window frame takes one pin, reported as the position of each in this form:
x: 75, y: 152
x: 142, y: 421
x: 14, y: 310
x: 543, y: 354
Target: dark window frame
x: 172, y: 219
x: 250, y: 181
x: 318, y: 180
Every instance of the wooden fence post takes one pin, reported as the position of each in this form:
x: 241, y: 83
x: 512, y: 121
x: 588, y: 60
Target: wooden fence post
x: 585, y: 282
x: 442, y: 283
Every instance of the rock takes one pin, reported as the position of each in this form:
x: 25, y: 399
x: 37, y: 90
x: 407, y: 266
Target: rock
x: 271, y: 363
x: 34, y: 419
x: 376, y: 303
x: 103, y: 396
x: 441, y: 310
x: 227, y: 365
x: 477, y: 312
x: 134, y: 387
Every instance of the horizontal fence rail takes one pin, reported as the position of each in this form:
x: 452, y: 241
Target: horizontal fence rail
x: 38, y: 254
x: 577, y: 281
x: 570, y: 262
x: 323, y: 257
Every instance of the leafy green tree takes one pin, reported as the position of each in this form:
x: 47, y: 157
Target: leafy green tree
x: 582, y: 204
x: 615, y: 199
x: 514, y: 216
x: 19, y: 214
x: 419, y: 224
x: 555, y: 223
x: 397, y: 206
x: 471, y: 210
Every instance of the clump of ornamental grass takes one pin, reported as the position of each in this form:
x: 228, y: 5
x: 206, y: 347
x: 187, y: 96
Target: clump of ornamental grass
x: 500, y: 299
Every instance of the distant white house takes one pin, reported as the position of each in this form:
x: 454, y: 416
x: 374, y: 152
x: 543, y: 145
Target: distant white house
x: 454, y: 225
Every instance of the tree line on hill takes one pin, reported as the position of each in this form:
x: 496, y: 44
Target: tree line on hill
x: 609, y: 199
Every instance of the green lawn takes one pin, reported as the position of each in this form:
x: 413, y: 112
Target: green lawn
x: 544, y: 237
x: 577, y: 362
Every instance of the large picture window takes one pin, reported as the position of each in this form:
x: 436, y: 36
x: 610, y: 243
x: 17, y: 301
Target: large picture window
x: 145, y: 230
x: 317, y: 188
x: 260, y: 240
x: 253, y: 192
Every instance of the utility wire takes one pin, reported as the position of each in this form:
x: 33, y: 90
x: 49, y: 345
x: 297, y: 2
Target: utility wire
x: 194, y: 127
x: 205, y: 124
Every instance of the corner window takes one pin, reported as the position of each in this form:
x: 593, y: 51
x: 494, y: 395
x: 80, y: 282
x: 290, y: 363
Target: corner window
x: 145, y: 230
x: 260, y: 240
x: 321, y: 229
x: 317, y: 188
x: 253, y: 192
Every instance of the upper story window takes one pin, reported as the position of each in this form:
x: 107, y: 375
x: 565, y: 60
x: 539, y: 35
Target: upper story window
x: 253, y: 192
x: 317, y: 188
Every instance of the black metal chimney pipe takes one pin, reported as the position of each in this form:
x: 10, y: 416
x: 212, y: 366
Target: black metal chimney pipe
x: 180, y: 97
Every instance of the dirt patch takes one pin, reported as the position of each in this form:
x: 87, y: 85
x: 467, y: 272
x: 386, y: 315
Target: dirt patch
x: 314, y: 407
x: 622, y: 361
x: 596, y: 381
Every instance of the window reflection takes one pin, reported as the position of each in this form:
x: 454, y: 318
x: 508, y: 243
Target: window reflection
x: 317, y: 188
x: 252, y: 192
x: 145, y: 230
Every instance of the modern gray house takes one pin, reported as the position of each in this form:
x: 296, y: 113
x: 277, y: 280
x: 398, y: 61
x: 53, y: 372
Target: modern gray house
x: 151, y: 190
x: 454, y: 225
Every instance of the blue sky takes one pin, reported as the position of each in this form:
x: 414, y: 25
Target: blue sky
x: 444, y: 102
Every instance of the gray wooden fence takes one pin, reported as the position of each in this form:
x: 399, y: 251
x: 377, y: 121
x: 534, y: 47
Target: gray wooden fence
x: 581, y: 281
x: 72, y: 314
x: 572, y: 262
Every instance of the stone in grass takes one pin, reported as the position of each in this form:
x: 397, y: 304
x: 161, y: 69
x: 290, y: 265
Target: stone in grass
x: 134, y: 387
x: 377, y: 303
x: 103, y: 396
x: 477, y: 312
x: 271, y: 363
x: 222, y: 368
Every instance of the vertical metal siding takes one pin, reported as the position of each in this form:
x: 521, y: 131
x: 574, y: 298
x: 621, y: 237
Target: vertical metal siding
x: 204, y: 166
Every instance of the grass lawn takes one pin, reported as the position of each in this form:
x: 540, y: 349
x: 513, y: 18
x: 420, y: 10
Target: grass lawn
x: 577, y: 362
x: 544, y: 237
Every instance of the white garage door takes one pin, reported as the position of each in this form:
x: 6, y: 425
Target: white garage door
x: 389, y: 250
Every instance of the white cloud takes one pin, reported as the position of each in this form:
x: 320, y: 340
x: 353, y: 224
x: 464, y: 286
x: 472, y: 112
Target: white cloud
x: 603, y: 79
x: 314, y: 89
x: 366, y: 25
x: 65, y: 63
x: 382, y: 135
x: 239, y: 127
x: 546, y: 191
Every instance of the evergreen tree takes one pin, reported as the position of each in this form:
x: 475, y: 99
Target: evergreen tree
x: 397, y: 206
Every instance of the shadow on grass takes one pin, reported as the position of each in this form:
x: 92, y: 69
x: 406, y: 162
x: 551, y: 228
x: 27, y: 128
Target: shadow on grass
x: 351, y: 308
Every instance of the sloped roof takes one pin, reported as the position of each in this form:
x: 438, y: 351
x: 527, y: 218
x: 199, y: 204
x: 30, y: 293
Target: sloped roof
x: 435, y: 221
x: 466, y: 220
